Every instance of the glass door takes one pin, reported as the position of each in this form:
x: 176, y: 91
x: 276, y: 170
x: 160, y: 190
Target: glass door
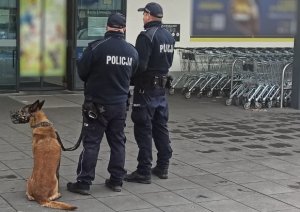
x: 8, y: 37
x: 43, y: 44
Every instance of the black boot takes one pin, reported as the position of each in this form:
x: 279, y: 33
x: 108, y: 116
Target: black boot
x: 138, y: 178
x: 161, y: 173
x: 112, y: 186
x: 79, y: 188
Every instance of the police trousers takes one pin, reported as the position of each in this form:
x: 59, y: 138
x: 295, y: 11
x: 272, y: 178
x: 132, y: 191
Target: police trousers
x: 111, y: 121
x: 150, y: 114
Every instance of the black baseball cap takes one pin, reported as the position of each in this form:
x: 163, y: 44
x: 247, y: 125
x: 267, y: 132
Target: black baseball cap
x: 153, y: 9
x: 116, y: 20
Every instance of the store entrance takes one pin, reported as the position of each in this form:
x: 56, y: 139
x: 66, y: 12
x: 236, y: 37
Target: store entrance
x: 40, y: 41
x: 41, y: 83
x: 43, y: 45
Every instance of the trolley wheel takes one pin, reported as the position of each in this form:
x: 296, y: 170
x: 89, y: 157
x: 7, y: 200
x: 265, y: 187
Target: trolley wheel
x: 187, y: 95
x: 228, y: 102
x: 209, y: 94
x: 247, y: 105
x: 269, y: 104
x: 171, y: 91
x: 258, y: 105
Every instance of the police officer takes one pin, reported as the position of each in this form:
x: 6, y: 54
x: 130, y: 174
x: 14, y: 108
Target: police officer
x: 106, y: 67
x: 155, y: 46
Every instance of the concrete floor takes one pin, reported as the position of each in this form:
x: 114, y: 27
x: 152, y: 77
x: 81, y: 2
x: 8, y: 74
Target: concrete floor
x: 225, y: 159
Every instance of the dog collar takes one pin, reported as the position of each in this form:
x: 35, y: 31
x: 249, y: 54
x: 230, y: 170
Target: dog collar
x: 43, y: 124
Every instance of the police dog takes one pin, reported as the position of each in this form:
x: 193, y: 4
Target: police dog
x: 43, y: 184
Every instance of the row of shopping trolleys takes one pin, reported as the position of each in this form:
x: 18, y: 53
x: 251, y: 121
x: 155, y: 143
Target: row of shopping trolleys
x: 251, y: 77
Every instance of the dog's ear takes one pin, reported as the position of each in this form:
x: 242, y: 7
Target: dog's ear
x: 34, y: 107
x: 41, y: 104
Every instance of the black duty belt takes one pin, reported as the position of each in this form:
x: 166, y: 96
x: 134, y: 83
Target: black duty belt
x: 151, y: 82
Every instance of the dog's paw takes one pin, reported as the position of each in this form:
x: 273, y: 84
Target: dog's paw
x: 31, y: 198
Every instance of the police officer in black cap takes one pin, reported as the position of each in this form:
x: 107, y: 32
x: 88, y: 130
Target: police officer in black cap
x: 106, y: 67
x: 155, y: 46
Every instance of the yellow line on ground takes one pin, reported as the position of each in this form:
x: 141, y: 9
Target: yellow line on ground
x: 241, y: 39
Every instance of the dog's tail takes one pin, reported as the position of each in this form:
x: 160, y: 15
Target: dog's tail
x: 58, y: 205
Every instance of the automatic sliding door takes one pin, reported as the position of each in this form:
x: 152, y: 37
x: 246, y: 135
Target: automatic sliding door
x: 42, y: 44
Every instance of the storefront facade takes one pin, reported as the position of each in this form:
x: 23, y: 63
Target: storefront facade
x: 40, y: 40
x: 78, y: 22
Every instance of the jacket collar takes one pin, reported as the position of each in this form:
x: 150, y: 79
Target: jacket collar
x: 114, y: 34
x: 152, y: 24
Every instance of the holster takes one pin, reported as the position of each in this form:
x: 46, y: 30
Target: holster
x: 94, y: 111
x: 90, y: 110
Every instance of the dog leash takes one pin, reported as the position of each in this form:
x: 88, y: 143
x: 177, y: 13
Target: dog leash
x: 71, y: 148
x: 49, y: 124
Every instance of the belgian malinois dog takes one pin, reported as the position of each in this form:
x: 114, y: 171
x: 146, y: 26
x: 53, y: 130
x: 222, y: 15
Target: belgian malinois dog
x: 43, y: 185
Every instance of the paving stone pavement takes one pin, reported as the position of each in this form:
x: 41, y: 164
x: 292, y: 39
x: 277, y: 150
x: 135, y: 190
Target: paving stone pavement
x: 225, y: 158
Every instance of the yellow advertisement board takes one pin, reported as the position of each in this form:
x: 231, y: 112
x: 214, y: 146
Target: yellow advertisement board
x: 42, y: 38
x: 263, y: 19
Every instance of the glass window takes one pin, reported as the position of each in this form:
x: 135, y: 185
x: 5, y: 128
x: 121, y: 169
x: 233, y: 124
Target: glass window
x: 92, y: 17
x: 8, y: 62
x: 8, y: 14
x: 7, y: 23
x: 8, y: 3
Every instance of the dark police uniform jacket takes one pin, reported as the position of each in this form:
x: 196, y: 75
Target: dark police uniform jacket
x: 155, y: 46
x: 106, y: 67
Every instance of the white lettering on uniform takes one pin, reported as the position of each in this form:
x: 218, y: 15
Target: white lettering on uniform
x: 166, y: 48
x: 108, y: 59
x: 118, y: 60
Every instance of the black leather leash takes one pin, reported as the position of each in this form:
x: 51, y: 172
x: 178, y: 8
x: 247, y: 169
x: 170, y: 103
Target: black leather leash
x: 71, y: 148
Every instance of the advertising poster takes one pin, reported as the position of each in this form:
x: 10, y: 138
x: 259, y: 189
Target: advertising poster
x: 30, y: 37
x: 55, y: 38
x: 244, y: 18
x: 42, y: 38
